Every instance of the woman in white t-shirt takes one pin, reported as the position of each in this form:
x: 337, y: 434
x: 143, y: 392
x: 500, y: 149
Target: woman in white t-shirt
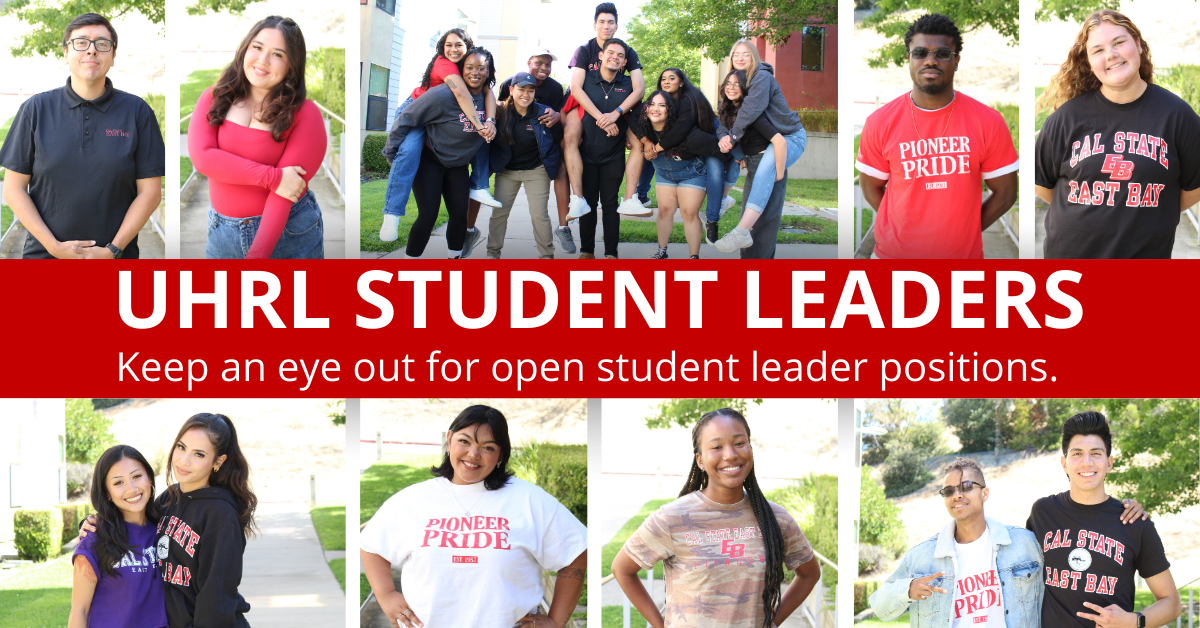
x: 472, y: 543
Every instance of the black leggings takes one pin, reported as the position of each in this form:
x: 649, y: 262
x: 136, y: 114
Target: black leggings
x: 602, y: 186
x: 433, y: 183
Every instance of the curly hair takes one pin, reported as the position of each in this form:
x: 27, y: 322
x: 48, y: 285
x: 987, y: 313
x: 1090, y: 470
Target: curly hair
x: 934, y: 24
x: 441, y: 52
x: 1075, y: 75
x: 646, y: 128
x: 284, y: 100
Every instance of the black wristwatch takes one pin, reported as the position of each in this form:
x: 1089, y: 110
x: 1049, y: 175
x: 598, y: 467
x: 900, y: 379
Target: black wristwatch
x: 115, y: 251
x: 1141, y: 620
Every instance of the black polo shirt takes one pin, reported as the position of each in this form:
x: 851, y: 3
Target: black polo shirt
x: 549, y: 93
x: 587, y: 57
x: 597, y: 146
x: 525, y: 152
x: 84, y: 158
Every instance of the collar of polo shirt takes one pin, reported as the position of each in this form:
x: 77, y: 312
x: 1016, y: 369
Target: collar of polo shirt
x: 100, y: 103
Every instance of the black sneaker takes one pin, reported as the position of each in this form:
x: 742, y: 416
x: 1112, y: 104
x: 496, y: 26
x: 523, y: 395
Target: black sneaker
x: 661, y: 253
x: 644, y: 200
x: 711, y: 235
x: 693, y: 257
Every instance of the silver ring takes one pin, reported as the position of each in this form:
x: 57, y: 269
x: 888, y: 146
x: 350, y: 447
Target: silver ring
x: 406, y: 612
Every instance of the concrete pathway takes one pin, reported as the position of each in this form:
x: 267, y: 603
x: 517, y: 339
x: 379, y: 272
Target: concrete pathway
x: 285, y: 577
x: 519, y: 242
x: 1187, y: 240
x: 193, y: 217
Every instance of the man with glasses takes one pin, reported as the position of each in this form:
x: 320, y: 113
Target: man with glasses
x: 976, y: 571
x: 923, y: 157
x: 84, y: 161
x: 1091, y: 556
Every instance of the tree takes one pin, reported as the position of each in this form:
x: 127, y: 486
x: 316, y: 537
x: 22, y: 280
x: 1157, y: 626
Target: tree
x: 208, y: 6
x: 1155, y: 445
x: 891, y: 20
x: 890, y: 414
x: 685, y: 412
x: 973, y: 422
x: 49, y: 22
x: 658, y: 50
x: 1072, y: 10
x: 88, y: 432
x: 713, y: 26
x: 878, y: 519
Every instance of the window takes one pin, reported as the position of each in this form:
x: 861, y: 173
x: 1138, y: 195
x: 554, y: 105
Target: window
x: 812, y: 48
x: 377, y: 98
x: 387, y: 6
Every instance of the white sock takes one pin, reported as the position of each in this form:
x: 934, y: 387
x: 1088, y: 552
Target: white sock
x: 407, y: 256
x: 453, y: 254
x: 741, y: 231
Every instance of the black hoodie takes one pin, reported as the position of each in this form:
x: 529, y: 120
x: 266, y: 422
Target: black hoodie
x: 200, y: 546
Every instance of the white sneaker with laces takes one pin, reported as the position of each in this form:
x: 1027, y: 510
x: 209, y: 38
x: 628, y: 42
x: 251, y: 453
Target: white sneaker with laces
x: 737, y: 239
x: 484, y: 197
x: 390, y: 229
x: 633, y: 207
x: 579, y: 207
x: 727, y: 203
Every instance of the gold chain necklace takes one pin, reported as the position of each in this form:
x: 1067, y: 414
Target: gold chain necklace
x: 913, y: 114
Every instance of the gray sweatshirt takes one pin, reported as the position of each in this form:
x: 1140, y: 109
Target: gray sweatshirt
x: 448, y: 133
x: 763, y: 97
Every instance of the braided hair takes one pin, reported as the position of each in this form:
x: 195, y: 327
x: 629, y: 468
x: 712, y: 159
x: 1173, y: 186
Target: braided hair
x: 768, y: 525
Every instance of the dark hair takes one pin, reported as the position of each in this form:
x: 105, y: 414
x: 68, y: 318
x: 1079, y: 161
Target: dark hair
x: 692, y: 98
x: 646, y: 128
x: 605, y: 7
x: 112, y: 541
x: 234, y: 474
x: 441, y: 52
x: 934, y: 24
x: 727, y: 110
x: 613, y: 41
x: 491, y: 417
x: 284, y: 100
x: 491, y: 65
x: 768, y: 525
x: 506, y: 112
x: 1087, y: 424
x: 90, y: 19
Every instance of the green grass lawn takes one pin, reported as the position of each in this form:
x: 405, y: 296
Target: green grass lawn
x: 190, y: 90
x: 338, y: 567
x: 386, y: 477
x: 330, y: 522
x: 36, y: 595
x: 1040, y: 116
x: 609, y: 551
x: 3, y: 134
x: 185, y: 169
x: 364, y: 589
x: 6, y: 219
x: 371, y: 218
x: 613, y: 616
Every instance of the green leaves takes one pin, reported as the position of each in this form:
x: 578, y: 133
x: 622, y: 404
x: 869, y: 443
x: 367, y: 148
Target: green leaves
x: 50, y: 21
x: 891, y: 20
x: 1154, y: 450
x: 685, y: 412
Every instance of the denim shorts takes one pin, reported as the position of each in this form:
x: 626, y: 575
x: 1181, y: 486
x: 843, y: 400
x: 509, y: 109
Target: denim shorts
x: 303, y: 236
x: 674, y: 173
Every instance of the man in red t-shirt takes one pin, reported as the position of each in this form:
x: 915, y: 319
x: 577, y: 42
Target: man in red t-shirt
x: 924, y: 156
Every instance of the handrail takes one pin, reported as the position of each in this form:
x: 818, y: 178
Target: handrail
x: 825, y: 560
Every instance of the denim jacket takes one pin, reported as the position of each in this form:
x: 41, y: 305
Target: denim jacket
x: 1018, y: 563
x: 547, y: 140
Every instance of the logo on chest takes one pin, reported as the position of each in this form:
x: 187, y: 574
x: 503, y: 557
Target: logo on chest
x: 115, y: 133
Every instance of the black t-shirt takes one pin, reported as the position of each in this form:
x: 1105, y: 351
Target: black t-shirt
x: 587, y: 57
x: 1091, y: 556
x: 1116, y: 171
x: 525, y: 152
x: 598, y: 147
x: 758, y: 136
x: 84, y: 158
x: 549, y: 93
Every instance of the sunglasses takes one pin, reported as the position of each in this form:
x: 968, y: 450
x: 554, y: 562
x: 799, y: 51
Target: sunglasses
x: 965, y: 487
x: 941, y: 54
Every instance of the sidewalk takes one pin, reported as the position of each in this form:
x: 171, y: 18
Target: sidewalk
x: 1187, y: 241
x: 519, y: 242
x: 284, y: 575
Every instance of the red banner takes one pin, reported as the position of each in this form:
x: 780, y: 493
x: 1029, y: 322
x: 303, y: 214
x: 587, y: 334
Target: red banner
x: 620, y: 329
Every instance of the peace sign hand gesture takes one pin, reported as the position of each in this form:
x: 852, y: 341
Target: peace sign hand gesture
x: 920, y: 589
x: 1111, y: 616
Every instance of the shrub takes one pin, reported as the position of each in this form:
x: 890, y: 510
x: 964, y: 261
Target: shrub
x: 100, y: 404
x: 813, y: 502
x: 562, y: 472
x: 372, y: 154
x: 879, y: 520
x: 871, y: 559
x: 326, y: 78
x: 1184, y: 80
x: 905, y: 471
x: 79, y: 476
x: 929, y: 439
x: 862, y: 594
x: 38, y: 533
x: 72, y: 516
x: 87, y: 431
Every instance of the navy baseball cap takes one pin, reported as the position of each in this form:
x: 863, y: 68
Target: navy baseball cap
x: 523, y: 78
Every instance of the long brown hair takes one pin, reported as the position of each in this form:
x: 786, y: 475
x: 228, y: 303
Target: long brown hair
x: 284, y: 100
x: 234, y: 474
x: 1075, y: 75
x: 727, y: 110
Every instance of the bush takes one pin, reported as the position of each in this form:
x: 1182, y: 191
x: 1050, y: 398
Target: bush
x: 87, y: 431
x: 562, y: 472
x: 72, y: 516
x: 879, y: 520
x: 326, y: 82
x: 905, y: 471
x: 813, y: 503
x: 862, y: 594
x: 79, y: 477
x: 372, y: 154
x: 928, y: 439
x: 38, y: 533
x: 100, y: 404
x: 1183, y: 80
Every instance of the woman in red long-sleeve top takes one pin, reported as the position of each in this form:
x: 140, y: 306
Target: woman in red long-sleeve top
x: 259, y: 141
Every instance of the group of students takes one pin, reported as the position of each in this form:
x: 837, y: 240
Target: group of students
x: 538, y: 136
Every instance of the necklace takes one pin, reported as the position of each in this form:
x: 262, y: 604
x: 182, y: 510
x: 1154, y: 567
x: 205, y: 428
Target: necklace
x: 606, y: 93
x: 453, y: 494
x: 913, y: 114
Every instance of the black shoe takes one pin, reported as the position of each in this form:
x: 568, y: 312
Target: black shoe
x: 661, y: 253
x: 644, y: 200
x: 693, y: 257
x: 711, y: 235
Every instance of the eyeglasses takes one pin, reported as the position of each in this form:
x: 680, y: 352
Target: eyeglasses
x: 941, y: 54
x: 741, y: 55
x: 965, y: 487
x: 81, y: 44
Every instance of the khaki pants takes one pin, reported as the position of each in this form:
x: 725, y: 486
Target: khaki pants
x: 537, y: 190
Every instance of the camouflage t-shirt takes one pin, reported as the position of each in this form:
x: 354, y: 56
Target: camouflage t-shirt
x: 713, y: 558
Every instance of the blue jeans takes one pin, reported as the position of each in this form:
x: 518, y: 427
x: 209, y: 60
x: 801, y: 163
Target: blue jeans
x: 764, y: 179
x: 719, y: 176
x: 303, y: 236
x: 643, y: 187
x: 671, y: 173
x: 408, y: 159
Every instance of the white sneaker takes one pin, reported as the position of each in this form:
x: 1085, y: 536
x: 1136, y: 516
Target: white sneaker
x: 734, y: 240
x: 484, y: 197
x: 579, y: 207
x: 633, y: 207
x: 727, y: 203
x: 390, y: 229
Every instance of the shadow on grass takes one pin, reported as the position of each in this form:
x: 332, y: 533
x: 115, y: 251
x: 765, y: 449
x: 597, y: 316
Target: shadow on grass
x: 28, y: 608
x: 386, y: 478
